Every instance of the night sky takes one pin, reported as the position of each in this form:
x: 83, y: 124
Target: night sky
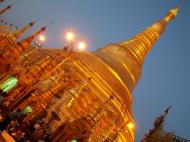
x: 166, y: 71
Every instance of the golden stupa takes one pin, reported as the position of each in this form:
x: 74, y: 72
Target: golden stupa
x: 80, y: 96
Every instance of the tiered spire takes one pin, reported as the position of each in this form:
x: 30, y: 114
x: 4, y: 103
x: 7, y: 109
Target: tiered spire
x: 158, y: 133
x: 14, y: 51
x: 26, y: 42
x: 24, y: 29
x: 11, y: 37
x: 144, y: 41
x: 126, y: 58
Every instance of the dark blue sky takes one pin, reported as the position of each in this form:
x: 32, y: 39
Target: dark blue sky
x: 166, y: 72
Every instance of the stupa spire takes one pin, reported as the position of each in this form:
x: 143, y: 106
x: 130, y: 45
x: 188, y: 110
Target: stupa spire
x: 26, y: 42
x: 24, y: 29
x: 126, y: 58
x: 2, y: 11
x: 144, y: 41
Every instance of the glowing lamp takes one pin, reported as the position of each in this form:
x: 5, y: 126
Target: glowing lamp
x: 81, y: 45
x: 42, y: 38
x: 70, y: 36
x: 130, y: 125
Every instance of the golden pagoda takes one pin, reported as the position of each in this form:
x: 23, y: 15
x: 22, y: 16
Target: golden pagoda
x: 80, y: 96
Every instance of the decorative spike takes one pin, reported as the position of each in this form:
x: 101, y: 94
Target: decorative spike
x: 180, y: 4
x: 29, y: 39
x: 21, y: 31
x: 50, y: 23
x: 5, y: 9
x: 153, y: 134
x: 159, y: 121
x: 166, y: 111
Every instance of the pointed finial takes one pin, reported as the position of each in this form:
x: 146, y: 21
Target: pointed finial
x: 167, y: 110
x: 172, y: 13
x: 29, y: 39
x: 159, y: 121
x: 42, y: 29
x: 21, y: 31
x: 5, y: 9
x: 8, y: 7
x: 50, y: 23
x: 180, y: 4
x: 32, y: 23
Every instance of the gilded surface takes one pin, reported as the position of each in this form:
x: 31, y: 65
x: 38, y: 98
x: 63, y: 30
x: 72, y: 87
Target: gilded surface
x: 78, y: 95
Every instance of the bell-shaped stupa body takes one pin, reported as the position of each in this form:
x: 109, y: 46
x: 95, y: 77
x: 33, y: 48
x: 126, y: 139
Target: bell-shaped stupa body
x: 115, y: 70
x: 85, y: 96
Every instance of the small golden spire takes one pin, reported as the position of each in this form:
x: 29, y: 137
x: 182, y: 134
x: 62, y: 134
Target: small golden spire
x: 26, y: 42
x: 5, y: 9
x: 21, y: 31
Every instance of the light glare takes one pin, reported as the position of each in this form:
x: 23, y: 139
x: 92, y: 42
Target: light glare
x: 70, y: 36
x: 130, y: 125
x: 81, y: 45
x: 42, y: 38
